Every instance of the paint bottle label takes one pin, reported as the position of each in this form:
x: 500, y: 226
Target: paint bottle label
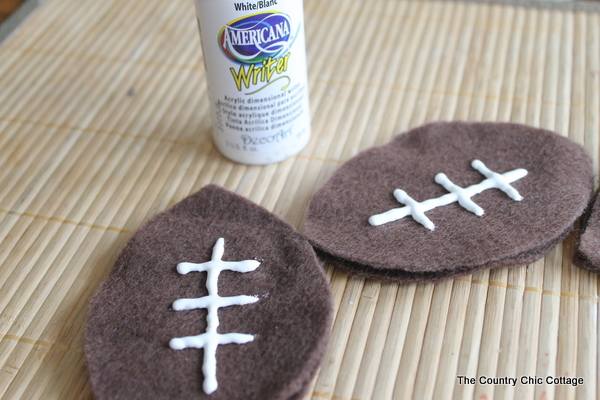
x: 255, y: 59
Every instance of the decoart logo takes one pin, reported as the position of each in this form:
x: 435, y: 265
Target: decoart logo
x: 256, y: 37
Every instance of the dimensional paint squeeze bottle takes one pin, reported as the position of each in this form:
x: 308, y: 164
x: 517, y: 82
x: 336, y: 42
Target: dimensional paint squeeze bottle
x: 255, y: 59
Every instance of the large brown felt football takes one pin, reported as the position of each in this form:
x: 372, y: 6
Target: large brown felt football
x: 517, y: 190
x: 285, y: 308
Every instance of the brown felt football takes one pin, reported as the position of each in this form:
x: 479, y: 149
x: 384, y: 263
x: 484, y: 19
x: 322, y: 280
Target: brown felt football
x: 588, y: 245
x: 281, y: 319
x: 465, y: 196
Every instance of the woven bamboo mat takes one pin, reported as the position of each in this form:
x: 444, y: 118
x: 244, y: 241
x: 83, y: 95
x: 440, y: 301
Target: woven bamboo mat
x: 104, y: 123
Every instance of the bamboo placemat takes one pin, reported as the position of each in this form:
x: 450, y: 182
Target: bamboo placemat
x: 104, y: 123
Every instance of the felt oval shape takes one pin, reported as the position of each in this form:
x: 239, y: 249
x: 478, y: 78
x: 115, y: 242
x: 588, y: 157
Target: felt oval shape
x: 555, y: 192
x: 131, y: 319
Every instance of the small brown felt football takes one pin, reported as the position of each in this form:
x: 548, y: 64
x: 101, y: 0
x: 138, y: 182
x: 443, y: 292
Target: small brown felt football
x: 270, y: 333
x: 503, y: 194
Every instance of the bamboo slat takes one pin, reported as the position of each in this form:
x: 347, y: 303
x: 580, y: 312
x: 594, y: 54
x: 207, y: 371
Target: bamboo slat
x: 104, y: 123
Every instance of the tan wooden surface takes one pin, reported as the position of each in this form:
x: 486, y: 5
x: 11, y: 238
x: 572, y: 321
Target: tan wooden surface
x: 104, y: 123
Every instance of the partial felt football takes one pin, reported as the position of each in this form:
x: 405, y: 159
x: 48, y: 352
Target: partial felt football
x: 451, y: 198
x: 587, y: 254
x: 215, y: 298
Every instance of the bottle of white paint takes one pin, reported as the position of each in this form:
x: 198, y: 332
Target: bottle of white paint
x: 255, y: 59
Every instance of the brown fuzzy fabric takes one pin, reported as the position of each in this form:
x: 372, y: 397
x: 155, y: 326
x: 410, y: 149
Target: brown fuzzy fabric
x: 556, y: 192
x: 588, y: 249
x: 131, y: 322
x: 399, y: 275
